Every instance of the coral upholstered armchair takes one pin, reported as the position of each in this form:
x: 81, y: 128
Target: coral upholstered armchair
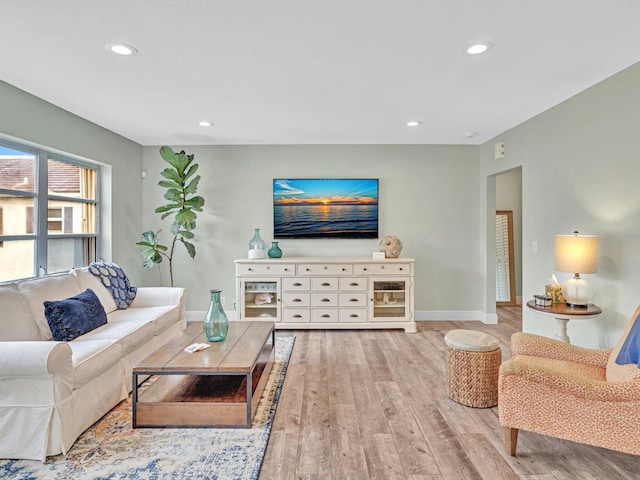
x: 578, y: 394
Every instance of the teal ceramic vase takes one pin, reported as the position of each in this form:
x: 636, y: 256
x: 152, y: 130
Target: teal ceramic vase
x: 274, y: 251
x: 216, y: 323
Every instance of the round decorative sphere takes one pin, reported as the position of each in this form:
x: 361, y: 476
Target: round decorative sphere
x: 391, y: 246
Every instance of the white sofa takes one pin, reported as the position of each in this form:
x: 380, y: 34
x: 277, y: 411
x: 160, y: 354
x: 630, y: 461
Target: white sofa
x: 50, y: 392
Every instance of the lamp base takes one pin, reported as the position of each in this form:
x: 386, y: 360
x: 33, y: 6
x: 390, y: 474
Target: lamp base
x: 577, y: 292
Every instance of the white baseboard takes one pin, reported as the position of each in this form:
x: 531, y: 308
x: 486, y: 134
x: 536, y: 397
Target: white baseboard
x: 453, y: 316
x: 198, y: 316
x: 421, y: 316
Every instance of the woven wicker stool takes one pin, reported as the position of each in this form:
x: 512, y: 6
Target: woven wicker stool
x: 473, y: 359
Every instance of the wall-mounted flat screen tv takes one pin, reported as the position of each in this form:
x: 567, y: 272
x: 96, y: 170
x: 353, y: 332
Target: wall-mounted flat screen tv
x: 325, y: 208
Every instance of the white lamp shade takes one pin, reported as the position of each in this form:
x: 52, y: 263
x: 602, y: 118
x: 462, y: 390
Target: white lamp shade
x: 576, y: 253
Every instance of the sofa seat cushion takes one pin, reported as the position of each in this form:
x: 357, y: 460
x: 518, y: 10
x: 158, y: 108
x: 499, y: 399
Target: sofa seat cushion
x: 16, y: 321
x: 130, y: 334
x: 75, y: 316
x: 41, y: 289
x: 93, y: 357
x: 162, y: 317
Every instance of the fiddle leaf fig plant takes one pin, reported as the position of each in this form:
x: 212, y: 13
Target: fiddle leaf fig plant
x: 181, y: 182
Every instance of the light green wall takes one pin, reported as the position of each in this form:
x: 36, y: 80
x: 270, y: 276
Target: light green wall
x: 427, y: 198
x: 26, y: 118
x: 580, y: 171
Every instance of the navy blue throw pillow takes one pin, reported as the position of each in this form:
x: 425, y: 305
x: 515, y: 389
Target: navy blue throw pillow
x: 74, y: 316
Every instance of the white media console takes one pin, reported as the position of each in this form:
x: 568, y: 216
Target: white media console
x: 327, y: 292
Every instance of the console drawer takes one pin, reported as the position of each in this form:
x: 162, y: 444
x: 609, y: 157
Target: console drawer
x: 383, y: 269
x: 324, y: 315
x: 295, y: 300
x: 353, y: 315
x: 296, y: 284
x: 324, y: 283
x: 352, y: 299
x: 356, y: 283
x: 325, y: 269
x: 296, y: 315
x: 258, y: 268
x: 324, y: 299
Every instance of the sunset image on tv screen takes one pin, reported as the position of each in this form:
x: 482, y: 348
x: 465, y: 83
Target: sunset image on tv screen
x: 325, y: 208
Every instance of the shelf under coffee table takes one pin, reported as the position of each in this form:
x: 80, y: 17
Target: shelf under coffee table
x: 216, y: 387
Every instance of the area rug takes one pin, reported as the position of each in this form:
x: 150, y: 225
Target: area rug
x: 112, y: 450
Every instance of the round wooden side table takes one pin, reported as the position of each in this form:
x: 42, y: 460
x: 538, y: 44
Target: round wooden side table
x: 563, y: 313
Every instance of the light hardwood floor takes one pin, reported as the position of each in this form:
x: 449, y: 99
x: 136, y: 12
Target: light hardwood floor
x: 373, y: 405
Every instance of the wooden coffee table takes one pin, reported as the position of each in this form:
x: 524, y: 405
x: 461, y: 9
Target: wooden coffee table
x: 216, y: 387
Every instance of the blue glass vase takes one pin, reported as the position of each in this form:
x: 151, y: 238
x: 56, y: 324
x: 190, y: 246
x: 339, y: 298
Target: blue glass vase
x: 216, y: 323
x: 274, y: 251
x: 257, y: 247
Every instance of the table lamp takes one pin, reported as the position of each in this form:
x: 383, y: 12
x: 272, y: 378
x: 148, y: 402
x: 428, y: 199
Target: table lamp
x: 576, y: 254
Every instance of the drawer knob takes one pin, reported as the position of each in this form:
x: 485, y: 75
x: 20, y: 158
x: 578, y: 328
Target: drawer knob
x: 306, y: 269
x: 325, y: 267
x: 325, y: 315
x: 250, y: 269
x: 354, y: 284
x: 297, y: 315
x: 325, y: 300
x: 297, y: 284
x: 286, y: 269
x: 365, y: 269
x: 353, y: 315
x: 296, y: 300
x: 382, y: 267
x: 344, y: 269
x: 325, y: 284
x: 353, y: 299
x: 268, y: 267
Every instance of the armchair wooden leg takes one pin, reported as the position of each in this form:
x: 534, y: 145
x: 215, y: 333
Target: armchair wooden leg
x: 510, y: 438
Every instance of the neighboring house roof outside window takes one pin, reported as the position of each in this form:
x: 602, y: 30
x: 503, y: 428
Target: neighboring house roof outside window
x: 16, y: 174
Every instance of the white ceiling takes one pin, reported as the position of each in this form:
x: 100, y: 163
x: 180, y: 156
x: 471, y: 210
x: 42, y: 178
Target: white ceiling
x: 313, y: 71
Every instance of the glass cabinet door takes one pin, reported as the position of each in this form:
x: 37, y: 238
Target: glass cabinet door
x: 389, y: 299
x: 260, y: 298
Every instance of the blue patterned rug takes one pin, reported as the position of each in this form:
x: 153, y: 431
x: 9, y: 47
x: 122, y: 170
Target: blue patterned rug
x: 112, y: 450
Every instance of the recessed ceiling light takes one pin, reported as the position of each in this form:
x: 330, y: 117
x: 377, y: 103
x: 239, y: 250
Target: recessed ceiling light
x: 413, y: 124
x: 204, y: 123
x: 121, y: 48
x: 479, y: 48
x: 470, y: 134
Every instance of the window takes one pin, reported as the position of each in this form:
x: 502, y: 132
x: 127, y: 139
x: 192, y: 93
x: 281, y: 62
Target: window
x: 49, y: 212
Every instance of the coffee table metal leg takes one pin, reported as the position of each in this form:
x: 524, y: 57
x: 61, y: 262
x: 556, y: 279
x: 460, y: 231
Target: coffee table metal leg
x: 134, y: 398
x: 249, y: 398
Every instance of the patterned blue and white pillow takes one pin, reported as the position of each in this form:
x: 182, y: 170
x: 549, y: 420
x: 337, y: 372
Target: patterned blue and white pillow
x: 113, y: 277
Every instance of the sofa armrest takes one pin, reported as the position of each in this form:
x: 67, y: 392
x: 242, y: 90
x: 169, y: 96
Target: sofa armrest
x: 538, y: 346
x: 35, y: 373
x: 34, y: 359
x: 158, y: 296
x: 551, y: 381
